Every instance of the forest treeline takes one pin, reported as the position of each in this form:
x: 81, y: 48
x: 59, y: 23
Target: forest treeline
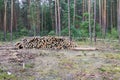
x: 75, y: 18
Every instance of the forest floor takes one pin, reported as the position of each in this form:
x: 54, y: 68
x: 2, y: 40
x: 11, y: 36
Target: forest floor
x: 33, y: 64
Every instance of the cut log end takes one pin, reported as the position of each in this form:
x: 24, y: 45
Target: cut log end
x: 45, y: 43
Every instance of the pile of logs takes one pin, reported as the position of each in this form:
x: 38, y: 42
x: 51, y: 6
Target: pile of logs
x: 45, y: 43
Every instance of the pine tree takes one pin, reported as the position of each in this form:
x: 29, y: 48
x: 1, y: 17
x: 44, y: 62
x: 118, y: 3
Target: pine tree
x: 69, y: 19
x: 5, y: 17
x: 94, y: 21
x: 11, y: 35
x: 89, y: 11
x: 119, y: 19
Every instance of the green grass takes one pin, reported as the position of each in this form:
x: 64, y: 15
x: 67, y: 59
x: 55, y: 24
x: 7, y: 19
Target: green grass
x: 110, y: 68
x: 5, y: 76
x: 111, y: 55
x: 30, y: 65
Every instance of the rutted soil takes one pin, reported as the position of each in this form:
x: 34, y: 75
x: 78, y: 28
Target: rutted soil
x: 34, y: 64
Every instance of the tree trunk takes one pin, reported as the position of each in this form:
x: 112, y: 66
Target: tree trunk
x: 104, y: 18
x: 111, y: 15
x: 38, y: 17
x: 28, y: 15
x: 11, y: 19
x: 59, y: 21
x: 83, y: 9
x: 94, y: 21
x: 119, y: 19
x: 45, y: 18
x: 56, y: 19
x: 5, y: 16
x: 14, y: 16
x: 74, y: 12
x: 100, y: 22
x: 1, y: 19
x: 89, y: 11
x: 42, y: 24
x: 51, y: 13
x: 69, y: 20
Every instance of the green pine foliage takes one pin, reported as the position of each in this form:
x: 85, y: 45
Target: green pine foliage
x: 113, y: 34
x: 74, y: 32
x: 51, y: 33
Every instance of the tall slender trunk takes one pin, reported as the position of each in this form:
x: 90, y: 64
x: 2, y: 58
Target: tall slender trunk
x: 83, y: 9
x: 94, y: 21
x: 28, y: 14
x: 107, y: 18
x: 14, y: 16
x: 5, y: 16
x: 69, y: 19
x: 85, y: 6
x: 59, y: 21
x: 89, y: 11
x: 100, y: 22
x: 114, y: 13
x: 104, y: 18
x: 38, y: 17
x: 118, y: 19
x: 1, y: 19
x: 42, y: 24
x: 45, y: 19
x: 111, y: 15
x: 51, y: 13
x: 11, y: 29
x: 56, y: 19
x: 74, y: 12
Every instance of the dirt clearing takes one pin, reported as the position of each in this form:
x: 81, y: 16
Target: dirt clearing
x: 34, y: 64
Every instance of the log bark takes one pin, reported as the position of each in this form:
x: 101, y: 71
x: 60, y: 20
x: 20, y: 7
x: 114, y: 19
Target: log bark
x: 84, y: 49
x: 45, y: 43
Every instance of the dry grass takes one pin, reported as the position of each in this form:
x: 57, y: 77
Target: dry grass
x: 64, y: 65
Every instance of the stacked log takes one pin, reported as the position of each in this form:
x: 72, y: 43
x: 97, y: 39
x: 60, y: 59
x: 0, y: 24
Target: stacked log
x: 45, y: 43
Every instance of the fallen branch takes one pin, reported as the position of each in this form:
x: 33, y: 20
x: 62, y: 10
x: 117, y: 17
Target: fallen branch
x: 7, y: 48
x: 84, y: 49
